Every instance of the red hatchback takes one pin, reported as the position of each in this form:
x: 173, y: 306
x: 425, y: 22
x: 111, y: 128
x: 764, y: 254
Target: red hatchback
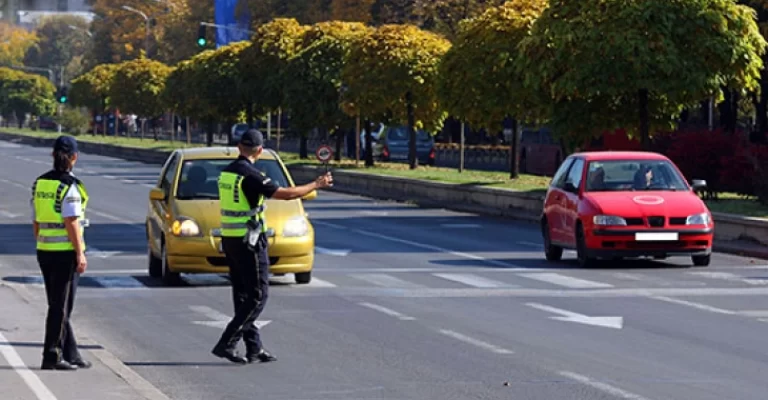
x: 617, y: 204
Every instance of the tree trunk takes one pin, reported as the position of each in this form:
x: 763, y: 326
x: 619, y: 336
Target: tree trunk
x: 514, y: 160
x: 761, y: 109
x: 645, y: 139
x: 249, y: 115
x: 368, y: 144
x: 413, y: 160
x: 340, y: 133
x: 303, y: 152
x: 209, y: 134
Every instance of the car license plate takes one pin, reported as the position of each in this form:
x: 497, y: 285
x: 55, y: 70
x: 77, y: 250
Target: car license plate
x: 656, y: 236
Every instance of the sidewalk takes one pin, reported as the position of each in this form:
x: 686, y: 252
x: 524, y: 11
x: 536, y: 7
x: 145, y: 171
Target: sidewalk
x: 21, y: 337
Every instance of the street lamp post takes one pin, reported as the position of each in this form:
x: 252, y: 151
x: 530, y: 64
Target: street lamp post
x: 146, y: 25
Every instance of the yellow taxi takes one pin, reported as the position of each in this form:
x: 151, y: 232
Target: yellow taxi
x: 183, y: 220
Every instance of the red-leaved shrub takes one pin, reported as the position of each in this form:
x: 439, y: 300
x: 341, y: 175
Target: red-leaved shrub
x: 701, y: 154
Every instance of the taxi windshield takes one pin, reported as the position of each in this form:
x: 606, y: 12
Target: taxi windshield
x: 633, y: 175
x: 199, y: 178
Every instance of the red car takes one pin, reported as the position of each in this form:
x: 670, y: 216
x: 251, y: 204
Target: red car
x: 617, y: 204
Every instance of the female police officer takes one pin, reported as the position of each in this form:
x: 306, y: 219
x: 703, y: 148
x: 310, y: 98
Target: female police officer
x: 58, y: 204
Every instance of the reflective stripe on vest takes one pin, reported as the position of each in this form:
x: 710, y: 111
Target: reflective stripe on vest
x: 48, y: 196
x: 235, y: 209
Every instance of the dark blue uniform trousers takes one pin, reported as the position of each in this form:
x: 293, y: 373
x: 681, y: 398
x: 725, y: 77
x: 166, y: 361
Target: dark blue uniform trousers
x: 60, y: 275
x: 249, y: 273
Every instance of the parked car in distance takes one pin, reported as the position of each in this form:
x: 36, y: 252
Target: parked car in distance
x: 183, y: 218
x: 394, y: 144
x: 617, y: 204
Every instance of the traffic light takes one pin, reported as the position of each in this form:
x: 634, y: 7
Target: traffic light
x: 201, y: 39
x: 61, y: 95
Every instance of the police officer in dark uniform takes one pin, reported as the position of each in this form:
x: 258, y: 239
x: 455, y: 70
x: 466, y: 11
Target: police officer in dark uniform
x: 58, y: 202
x: 242, y: 190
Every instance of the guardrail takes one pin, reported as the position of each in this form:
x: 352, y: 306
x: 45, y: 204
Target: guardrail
x: 466, y: 198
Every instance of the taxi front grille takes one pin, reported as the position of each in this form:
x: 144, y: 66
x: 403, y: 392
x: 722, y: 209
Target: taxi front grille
x: 656, y: 222
x: 634, y: 221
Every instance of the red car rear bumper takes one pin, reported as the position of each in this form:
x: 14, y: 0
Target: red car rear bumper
x: 607, y: 242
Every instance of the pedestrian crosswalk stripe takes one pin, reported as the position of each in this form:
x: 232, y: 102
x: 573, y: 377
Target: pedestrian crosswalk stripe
x: 472, y: 280
x: 316, y: 282
x: 124, y: 282
x: 566, y: 281
x: 385, y: 280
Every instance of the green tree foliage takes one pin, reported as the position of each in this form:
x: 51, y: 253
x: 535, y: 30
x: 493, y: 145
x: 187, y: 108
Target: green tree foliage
x: 14, y: 43
x: 392, y: 75
x: 314, y: 74
x: 63, y: 41
x: 638, y: 63
x: 478, y: 82
x: 263, y: 64
x: 137, y: 86
x: 180, y: 93
x: 390, y: 12
x: 92, y: 88
x: 22, y: 93
x: 218, y: 82
x: 445, y: 16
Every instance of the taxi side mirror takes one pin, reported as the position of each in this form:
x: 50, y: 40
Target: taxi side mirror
x: 310, y: 196
x: 157, y: 194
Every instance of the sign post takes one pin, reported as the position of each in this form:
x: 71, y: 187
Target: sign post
x: 324, y: 154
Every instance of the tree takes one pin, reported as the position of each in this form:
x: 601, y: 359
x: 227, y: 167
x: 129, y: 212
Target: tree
x: 22, y: 93
x: 180, y: 93
x: 63, y: 41
x: 351, y: 10
x: 645, y: 60
x: 389, y: 12
x: 392, y: 75
x: 314, y: 86
x: 177, y: 30
x: 303, y: 11
x: 137, y: 86
x: 445, y: 16
x: 478, y: 82
x: 92, y: 88
x: 14, y: 43
x: 262, y: 65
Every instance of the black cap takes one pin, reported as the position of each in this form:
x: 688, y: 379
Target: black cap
x: 252, y: 138
x: 65, y: 144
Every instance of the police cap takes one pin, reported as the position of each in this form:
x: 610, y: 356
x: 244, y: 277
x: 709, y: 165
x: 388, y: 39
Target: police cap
x: 252, y: 138
x: 65, y: 144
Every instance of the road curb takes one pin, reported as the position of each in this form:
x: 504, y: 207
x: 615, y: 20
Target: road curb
x: 144, y: 388
x: 492, y: 202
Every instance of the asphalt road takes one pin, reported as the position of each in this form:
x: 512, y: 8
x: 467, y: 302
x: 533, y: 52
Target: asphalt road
x: 406, y: 303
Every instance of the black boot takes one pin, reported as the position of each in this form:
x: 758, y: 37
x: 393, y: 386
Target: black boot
x: 60, y: 365
x: 229, y: 353
x: 263, y: 356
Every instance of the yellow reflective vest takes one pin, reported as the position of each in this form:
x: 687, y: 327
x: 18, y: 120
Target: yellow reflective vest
x: 235, y: 209
x: 48, y: 196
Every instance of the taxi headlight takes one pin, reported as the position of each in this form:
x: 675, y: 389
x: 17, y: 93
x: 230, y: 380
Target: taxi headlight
x: 698, y: 219
x: 185, y: 227
x: 296, y: 227
x: 608, y: 220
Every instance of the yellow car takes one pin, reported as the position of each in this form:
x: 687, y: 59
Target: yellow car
x: 183, y: 221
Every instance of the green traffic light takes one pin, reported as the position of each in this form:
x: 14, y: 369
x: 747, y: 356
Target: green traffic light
x: 63, y: 99
x: 201, y: 42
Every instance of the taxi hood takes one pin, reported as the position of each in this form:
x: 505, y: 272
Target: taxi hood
x: 207, y: 212
x: 646, y: 203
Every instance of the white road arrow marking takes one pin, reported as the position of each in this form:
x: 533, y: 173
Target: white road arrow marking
x: 332, y: 252
x: 8, y: 214
x: 217, y: 319
x: 605, y: 322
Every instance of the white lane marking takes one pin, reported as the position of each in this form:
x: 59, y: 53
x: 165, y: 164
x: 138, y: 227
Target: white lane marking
x: 18, y: 185
x: 569, y: 316
x: 9, y: 145
x: 460, y: 226
x: 473, y: 269
x: 218, y: 319
x: 695, y: 305
x: 30, y: 378
x: 631, y: 277
x: 316, y: 282
x: 374, y: 213
x: 530, y: 244
x: 731, y: 277
x: 332, y: 252
x: 116, y: 219
x: 762, y: 314
x: 8, y: 214
x: 472, y: 280
x: 424, y: 246
x: 475, y: 342
x: 385, y: 280
x: 385, y: 310
x: 609, y: 389
x: 330, y: 225
x: 94, y: 252
x: 567, y: 281
x: 32, y: 160
x: 122, y: 282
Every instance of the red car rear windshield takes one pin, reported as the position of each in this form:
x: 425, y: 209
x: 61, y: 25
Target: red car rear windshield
x: 633, y: 175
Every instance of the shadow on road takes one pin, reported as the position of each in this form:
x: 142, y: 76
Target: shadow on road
x: 18, y: 239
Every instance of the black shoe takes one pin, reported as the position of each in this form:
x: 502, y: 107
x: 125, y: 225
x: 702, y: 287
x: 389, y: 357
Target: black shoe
x: 82, y: 364
x: 229, y: 354
x: 262, y: 356
x: 61, y: 365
